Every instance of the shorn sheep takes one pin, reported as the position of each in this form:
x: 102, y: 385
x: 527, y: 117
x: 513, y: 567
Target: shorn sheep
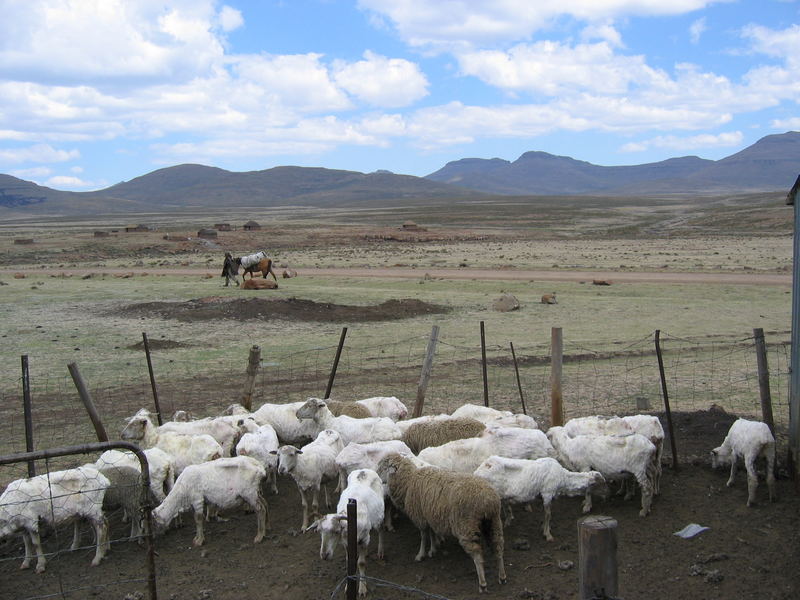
x: 55, y: 499
x: 365, y: 487
x: 261, y: 444
x: 160, y: 464
x: 442, y: 503
x: 125, y: 491
x: 373, y: 429
x: 224, y: 483
x: 435, y: 433
x: 385, y: 406
x: 748, y: 440
x: 521, y: 481
x: 614, y: 456
x: 283, y: 417
x: 311, y: 467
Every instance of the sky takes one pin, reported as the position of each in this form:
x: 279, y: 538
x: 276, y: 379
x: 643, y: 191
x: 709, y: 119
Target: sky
x: 95, y: 92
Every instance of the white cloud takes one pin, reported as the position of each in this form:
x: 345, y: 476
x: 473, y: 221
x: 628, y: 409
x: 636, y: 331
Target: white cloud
x: 67, y: 182
x: 230, y: 19
x: 670, y: 142
x: 381, y: 81
x: 32, y: 173
x: 696, y: 29
x: 38, y: 153
x: 448, y: 22
x: 792, y: 124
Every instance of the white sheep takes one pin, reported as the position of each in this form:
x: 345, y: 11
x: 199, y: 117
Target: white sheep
x: 373, y: 429
x: 224, y: 483
x: 466, y: 455
x: 260, y: 444
x: 613, y: 456
x: 521, y: 481
x: 365, y: 487
x: 311, y: 467
x: 442, y: 503
x: 484, y: 414
x: 222, y: 429
x: 385, y: 406
x: 160, y: 464
x: 283, y: 417
x: 514, y: 420
x: 185, y: 449
x: 125, y: 491
x: 55, y: 499
x: 748, y: 440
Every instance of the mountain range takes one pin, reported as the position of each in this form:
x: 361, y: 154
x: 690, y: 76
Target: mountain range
x: 770, y: 164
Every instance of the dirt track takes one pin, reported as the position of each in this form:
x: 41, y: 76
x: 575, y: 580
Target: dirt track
x: 771, y: 279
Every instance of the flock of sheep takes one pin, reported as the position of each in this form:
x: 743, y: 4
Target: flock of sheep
x: 452, y: 475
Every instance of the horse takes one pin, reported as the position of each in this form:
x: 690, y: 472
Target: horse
x: 252, y: 263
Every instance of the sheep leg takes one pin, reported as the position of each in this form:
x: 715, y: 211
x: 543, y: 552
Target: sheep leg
x: 752, y: 479
x: 587, y: 502
x: 421, y: 553
x: 262, y: 516
x: 199, y: 537
x: 76, y: 536
x: 327, y: 499
x: 29, y: 550
x: 362, y: 569
x: 387, y: 519
x: 733, y: 471
x: 771, y: 472
x: 273, y: 479
x: 305, y: 508
x: 380, y: 543
x: 647, y: 493
x: 546, y: 525
x: 473, y: 549
x: 101, y: 536
x: 435, y: 541
x: 499, y: 546
x: 509, y: 514
x: 41, y: 561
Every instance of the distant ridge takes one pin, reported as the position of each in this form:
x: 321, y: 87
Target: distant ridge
x: 771, y: 164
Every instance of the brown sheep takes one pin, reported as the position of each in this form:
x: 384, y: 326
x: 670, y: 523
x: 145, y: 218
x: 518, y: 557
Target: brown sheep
x: 549, y: 298
x: 351, y: 409
x: 435, y: 433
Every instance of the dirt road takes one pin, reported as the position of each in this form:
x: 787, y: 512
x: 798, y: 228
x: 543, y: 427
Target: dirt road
x: 771, y: 279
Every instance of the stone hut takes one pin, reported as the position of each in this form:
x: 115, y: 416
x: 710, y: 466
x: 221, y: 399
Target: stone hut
x: 251, y: 226
x: 207, y: 234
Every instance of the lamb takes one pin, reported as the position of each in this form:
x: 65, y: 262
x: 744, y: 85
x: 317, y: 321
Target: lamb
x: 351, y: 409
x: 748, y: 440
x: 444, y: 503
x: 311, y: 467
x: 385, y: 406
x: 160, y: 464
x: 613, y: 456
x: 260, y: 444
x: 125, y: 491
x: 435, y: 433
x: 55, y: 499
x: 522, y: 481
x: 283, y: 417
x: 185, y: 449
x: 374, y: 429
x: 466, y: 455
x: 224, y: 483
x: 366, y: 488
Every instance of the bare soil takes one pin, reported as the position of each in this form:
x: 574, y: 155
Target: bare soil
x: 746, y: 553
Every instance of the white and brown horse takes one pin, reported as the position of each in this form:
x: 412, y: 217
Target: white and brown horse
x: 252, y: 263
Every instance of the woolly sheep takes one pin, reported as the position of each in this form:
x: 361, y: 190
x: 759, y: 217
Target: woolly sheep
x: 160, y: 464
x: 466, y: 455
x: 374, y: 429
x: 224, y: 483
x: 311, y: 467
x: 283, y: 417
x: 184, y: 449
x: 55, y: 499
x: 435, y: 433
x: 748, y: 440
x: 446, y: 503
x: 385, y: 406
x: 351, y: 409
x: 406, y: 424
x: 521, y: 481
x: 260, y: 444
x: 365, y: 487
x: 613, y: 456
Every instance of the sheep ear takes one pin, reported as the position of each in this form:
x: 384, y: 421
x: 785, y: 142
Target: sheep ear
x: 299, y: 451
x: 313, y: 527
x: 273, y: 452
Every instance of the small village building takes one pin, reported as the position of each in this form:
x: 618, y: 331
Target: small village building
x: 207, y: 233
x: 101, y: 234
x: 222, y: 226
x: 251, y: 226
x: 411, y: 226
x: 136, y: 228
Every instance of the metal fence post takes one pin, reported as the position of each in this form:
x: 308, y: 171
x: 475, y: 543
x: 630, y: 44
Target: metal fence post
x: 335, y: 363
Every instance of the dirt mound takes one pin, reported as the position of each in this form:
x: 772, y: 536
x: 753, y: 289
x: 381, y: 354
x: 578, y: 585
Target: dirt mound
x: 247, y: 309
x: 159, y: 345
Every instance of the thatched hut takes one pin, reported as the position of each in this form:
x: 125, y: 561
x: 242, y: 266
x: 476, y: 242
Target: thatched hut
x: 251, y: 226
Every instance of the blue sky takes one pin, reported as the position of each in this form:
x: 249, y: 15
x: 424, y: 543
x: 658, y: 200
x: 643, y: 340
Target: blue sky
x: 94, y: 92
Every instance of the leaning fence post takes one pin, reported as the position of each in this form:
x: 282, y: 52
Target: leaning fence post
x: 86, y: 397
x: 253, y: 362
x: 335, y: 363
x: 556, y: 362
x: 483, y: 365
x: 597, y: 557
x: 664, y: 393
x: 519, y: 384
x: 763, y: 379
x: 152, y: 378
x: 425, y: 376
x: 26, y: 408
x: 352, y: 549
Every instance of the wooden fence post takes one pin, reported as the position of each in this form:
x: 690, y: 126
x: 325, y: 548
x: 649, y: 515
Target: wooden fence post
x: 253, y: 362
x: 763, y: 379
x: 425, y: 376
x: 152, y: 378
x: 483, y: 365
x: 667, y: 410
x: 86, y: 397
x: 352, y: 548
x: 28, y: 413
x: 335, y: 363
x: 556, y: 362
x: 597, y: 557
